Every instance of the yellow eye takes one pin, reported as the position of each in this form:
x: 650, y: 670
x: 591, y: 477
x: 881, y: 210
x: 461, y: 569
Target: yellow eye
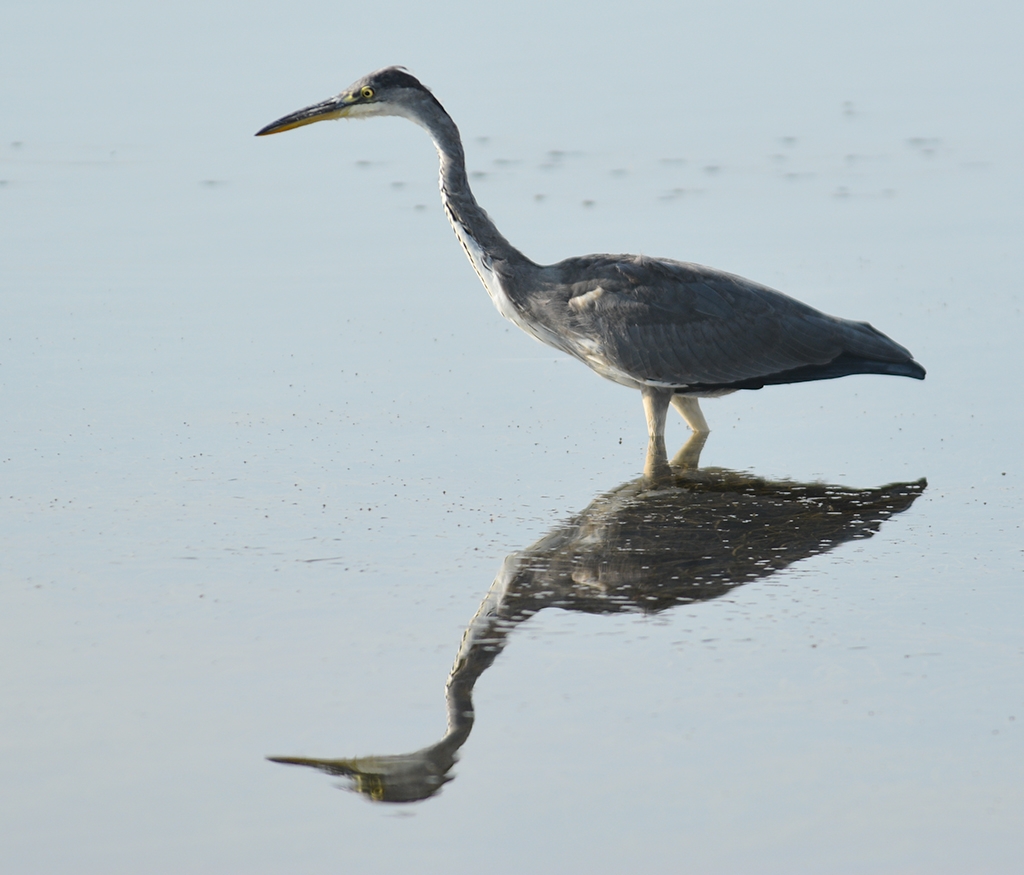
x: 367, y: 92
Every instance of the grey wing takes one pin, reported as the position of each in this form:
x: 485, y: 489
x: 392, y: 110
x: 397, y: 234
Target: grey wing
x: 695, y: 328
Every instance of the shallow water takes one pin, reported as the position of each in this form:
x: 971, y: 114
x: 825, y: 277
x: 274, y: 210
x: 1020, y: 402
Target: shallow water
x: 266, y: 447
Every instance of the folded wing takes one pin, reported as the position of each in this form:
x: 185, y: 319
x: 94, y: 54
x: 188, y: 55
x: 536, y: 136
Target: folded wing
x: 696, y: 328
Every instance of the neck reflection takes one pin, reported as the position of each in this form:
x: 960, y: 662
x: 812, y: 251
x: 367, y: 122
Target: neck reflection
x: 686, y: 535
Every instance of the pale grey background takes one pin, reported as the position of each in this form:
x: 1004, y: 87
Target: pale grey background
x: 222, y: 358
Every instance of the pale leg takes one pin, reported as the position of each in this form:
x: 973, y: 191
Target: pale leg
x: 690, y: 410
x: 656, y: 403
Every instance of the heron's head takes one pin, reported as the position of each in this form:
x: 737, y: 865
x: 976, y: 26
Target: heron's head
x: 391, y: 91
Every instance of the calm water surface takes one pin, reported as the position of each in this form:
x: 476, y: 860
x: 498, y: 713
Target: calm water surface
x: 277, y: 481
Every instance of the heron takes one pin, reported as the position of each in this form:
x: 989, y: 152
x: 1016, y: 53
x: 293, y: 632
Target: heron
x: 676, y: 331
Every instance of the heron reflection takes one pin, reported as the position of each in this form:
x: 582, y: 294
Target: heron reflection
x: 689, y: 536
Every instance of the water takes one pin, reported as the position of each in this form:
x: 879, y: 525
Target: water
x: 266, y: 445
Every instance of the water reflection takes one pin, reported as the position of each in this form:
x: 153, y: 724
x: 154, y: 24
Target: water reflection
x: 687, y: 535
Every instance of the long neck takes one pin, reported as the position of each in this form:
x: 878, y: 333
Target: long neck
x: 472, y: 225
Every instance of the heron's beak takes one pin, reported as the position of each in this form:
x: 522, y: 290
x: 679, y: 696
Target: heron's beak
x: 334, y: 107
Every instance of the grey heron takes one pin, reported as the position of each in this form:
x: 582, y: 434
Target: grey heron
x: 675, y: 331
